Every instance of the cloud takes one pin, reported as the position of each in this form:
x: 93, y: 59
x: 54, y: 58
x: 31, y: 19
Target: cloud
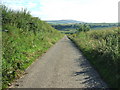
x: 14, y: 4
x: 17, y: 7
x: 19, y: 4
x: 89, y: 11
x: 31, y: 5
x: 83, y: 10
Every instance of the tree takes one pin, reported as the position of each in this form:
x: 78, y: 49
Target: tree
x: 83, y: 28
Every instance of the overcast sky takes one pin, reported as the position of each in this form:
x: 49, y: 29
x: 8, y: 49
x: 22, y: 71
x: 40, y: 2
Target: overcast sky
x: 81, y: 10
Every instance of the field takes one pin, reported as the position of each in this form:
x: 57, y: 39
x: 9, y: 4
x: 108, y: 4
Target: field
x: 101, y: 47
x: 92, y: 26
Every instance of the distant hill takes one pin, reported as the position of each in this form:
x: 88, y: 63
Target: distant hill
x: 63, y: 21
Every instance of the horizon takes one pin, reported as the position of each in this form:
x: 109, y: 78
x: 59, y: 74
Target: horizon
x: 79, y: 21
x: 91, y: 11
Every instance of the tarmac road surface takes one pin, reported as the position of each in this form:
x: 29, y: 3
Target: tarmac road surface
x: 63, y: 66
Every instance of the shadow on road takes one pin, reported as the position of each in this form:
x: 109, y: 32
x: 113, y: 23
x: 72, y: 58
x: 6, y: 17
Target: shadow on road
x: 91, y: 77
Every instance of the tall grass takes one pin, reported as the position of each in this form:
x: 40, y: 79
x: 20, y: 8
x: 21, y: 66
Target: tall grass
x: 24, y: 39
x: 101, y: 47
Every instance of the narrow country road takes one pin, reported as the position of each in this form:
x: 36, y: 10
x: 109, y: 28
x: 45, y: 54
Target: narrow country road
x: 63, y: 66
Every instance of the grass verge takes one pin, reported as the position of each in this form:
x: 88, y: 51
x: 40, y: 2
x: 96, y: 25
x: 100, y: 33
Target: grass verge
x: 24, y: 39
x: 101, y: 48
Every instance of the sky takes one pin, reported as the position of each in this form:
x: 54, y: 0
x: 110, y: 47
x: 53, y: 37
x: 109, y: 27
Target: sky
x: 95, y: 11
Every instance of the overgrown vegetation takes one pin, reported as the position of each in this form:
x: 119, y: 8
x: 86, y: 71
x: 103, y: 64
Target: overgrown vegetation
x: 24, y: 39
x: 101, y: 47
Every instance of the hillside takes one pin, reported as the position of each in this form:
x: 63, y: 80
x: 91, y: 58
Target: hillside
x: 72, y: 28
x: 63, y: 21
